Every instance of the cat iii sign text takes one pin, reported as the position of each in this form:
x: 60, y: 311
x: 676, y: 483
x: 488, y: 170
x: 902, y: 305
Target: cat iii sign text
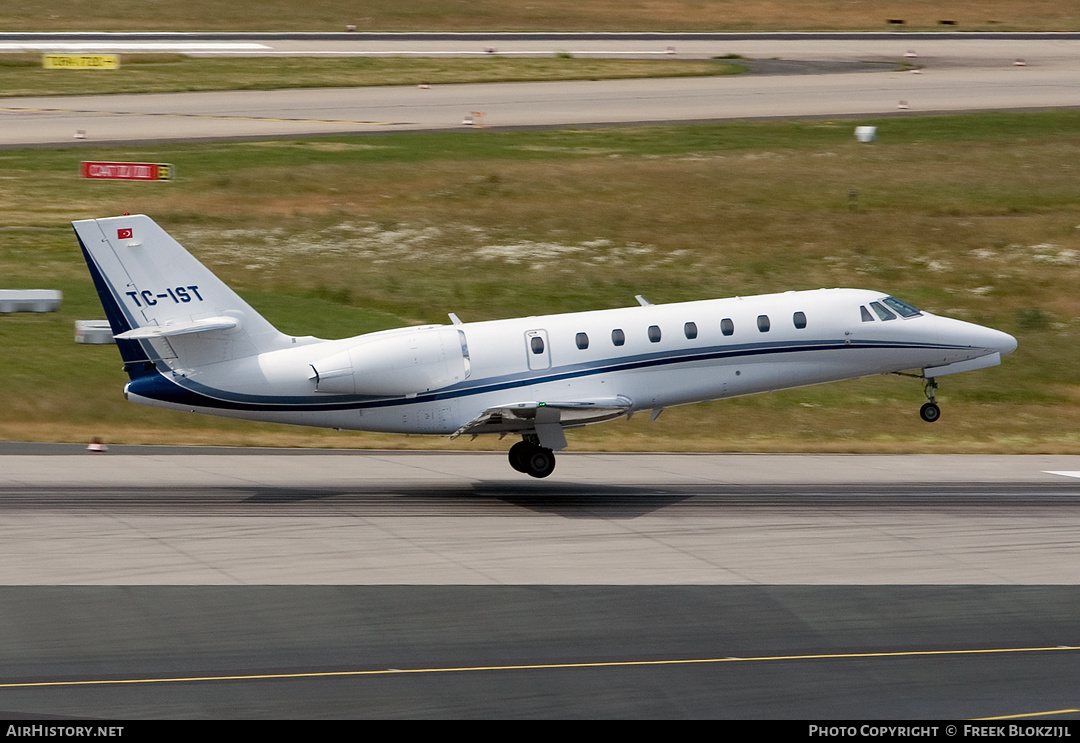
x: 128, y: 171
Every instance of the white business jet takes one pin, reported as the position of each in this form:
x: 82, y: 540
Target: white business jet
x: 190, y: 343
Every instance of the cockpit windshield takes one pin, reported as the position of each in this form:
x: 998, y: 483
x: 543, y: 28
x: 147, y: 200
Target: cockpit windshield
x: 901, y: 308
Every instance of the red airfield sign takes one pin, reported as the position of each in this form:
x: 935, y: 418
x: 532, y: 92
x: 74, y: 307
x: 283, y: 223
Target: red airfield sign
x: 127, y: 171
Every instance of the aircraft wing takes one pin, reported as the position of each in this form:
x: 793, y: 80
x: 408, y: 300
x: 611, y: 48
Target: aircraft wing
x: 545, y: 419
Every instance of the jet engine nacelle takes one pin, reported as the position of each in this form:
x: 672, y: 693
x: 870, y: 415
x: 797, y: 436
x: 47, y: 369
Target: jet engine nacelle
x: 404, y: 363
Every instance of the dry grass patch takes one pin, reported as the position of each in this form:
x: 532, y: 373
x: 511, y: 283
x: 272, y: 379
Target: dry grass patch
x: 22, y: 75
x: 345, y: 235
x: 735, y: 224
x: 562, y: 15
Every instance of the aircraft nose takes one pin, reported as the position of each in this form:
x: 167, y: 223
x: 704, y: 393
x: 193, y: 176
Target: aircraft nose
x: 996, y: 340
x: 1004, y: 343
x: 969, y: 334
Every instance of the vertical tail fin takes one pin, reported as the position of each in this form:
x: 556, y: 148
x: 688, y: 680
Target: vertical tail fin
x: 166, y: 308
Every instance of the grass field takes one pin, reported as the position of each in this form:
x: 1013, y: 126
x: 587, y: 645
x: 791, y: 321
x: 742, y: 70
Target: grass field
x: 23, y: 75
x: 974, y: 216
x: 536, y: 15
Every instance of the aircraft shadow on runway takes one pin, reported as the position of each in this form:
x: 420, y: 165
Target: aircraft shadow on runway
x: 575, y: 500
x: 497, y: 498
x: 570, y: 500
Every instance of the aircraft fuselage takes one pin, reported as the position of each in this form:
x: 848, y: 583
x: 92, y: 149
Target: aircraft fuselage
x: 666, y: 355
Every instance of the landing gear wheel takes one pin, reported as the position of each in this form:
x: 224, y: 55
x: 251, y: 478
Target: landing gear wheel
x: 519, y: 455
x: 930, y: 412
x: 540, y: 462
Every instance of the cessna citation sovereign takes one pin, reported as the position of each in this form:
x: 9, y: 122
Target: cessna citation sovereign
x: 190, y: 343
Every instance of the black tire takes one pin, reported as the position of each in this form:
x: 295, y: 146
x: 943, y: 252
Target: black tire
x: 930, y: 412
x: 519, y: 456
x: 541, y: 462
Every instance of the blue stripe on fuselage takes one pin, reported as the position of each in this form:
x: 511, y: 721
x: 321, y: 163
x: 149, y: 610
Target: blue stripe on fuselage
x: 187, y: 392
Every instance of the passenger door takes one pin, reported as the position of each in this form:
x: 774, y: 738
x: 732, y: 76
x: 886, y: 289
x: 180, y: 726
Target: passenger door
x: 537, y: 349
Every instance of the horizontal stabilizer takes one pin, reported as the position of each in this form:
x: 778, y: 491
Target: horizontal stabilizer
x: 180, y: 328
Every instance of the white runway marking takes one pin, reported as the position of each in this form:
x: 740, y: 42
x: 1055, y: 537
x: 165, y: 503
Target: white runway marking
x: 1074, y: 473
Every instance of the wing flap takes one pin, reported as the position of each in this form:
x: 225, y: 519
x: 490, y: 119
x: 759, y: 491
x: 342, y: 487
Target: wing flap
x: 536, y: 416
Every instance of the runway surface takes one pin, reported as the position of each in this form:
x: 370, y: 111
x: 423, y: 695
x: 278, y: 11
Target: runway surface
x: 453, y: 518
x: 635, y: 585
x: 622, y: 586
x: 954, y: 74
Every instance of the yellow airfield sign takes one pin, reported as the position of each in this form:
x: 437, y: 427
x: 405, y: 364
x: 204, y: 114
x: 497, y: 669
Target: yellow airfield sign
x: 80, y: 61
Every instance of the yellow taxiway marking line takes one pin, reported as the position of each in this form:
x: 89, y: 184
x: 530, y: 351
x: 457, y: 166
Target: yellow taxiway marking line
x: 537, y: 666
x: 194, y: 116
x: 1027, y: 714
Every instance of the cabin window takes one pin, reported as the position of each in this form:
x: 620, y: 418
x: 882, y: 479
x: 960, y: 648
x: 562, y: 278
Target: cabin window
x: 690, y: 329
x: 901, y: 308
x: 582, y: 341
x: 618, y: 337
x: 882, y: 311
x: 763, y: 323
x: 727, y: 327
x: 654, y: 333
x: 799, y: 318
x: 866, y: 316
x: 536, y: 343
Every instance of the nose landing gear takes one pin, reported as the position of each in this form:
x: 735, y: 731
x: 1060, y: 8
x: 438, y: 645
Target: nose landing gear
x: 930, y: 412
x: 532, y: 459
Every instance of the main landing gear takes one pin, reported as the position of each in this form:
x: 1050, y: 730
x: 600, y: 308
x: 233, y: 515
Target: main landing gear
x: 930, y: 412
x: 532, y: 459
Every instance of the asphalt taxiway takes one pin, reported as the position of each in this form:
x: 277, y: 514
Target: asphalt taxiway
x: 914, y: 74
x: 442, y: 652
